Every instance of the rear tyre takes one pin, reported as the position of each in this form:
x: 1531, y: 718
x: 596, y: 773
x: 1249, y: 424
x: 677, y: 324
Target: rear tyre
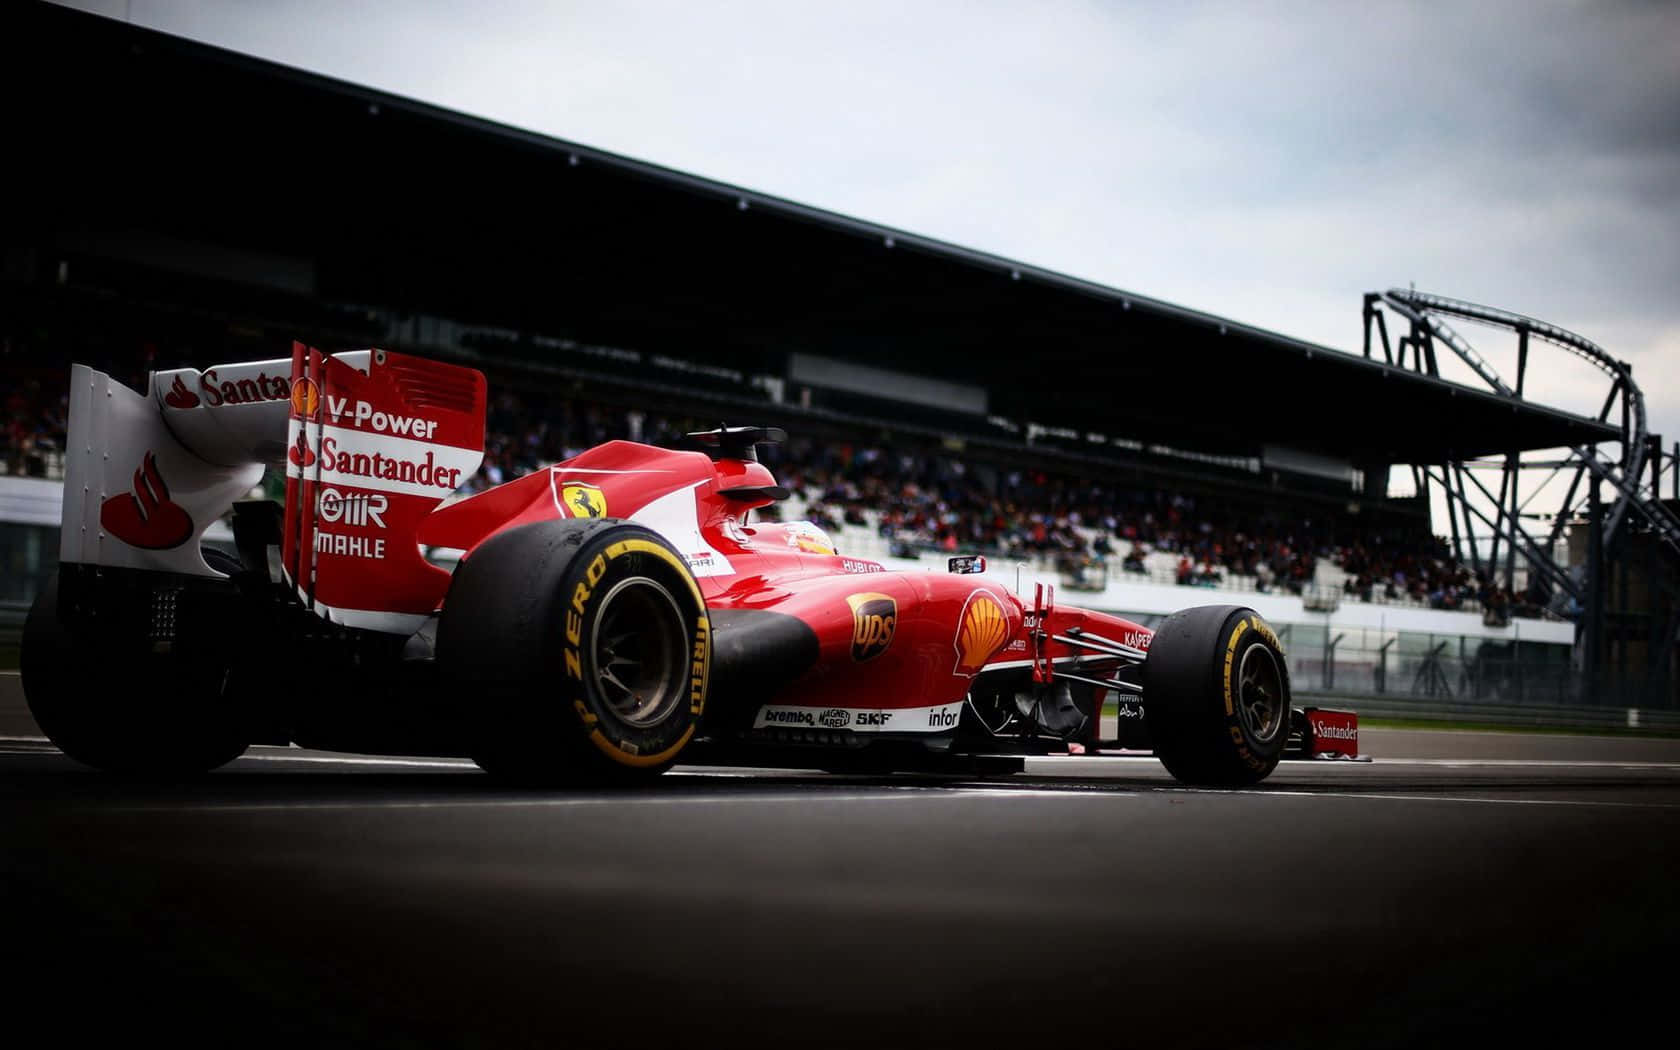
x: 1216, y: 696
x: 583, y: 647
x: 114, y: 705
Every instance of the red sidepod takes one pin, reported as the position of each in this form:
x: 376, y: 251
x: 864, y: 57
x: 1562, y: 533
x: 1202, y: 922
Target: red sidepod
x: 376, y: 441
x: 902, y: 642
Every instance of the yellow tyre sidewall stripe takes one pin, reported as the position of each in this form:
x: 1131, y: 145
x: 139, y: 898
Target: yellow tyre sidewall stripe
x: 613, y: 749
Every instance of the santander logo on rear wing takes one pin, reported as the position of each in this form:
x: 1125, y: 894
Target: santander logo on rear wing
x: 147, y: 473
x: 374, y: 441
x: 370, y: 442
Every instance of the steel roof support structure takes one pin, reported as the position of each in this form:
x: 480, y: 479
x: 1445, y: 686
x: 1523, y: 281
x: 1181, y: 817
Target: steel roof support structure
x: 1619, y: 507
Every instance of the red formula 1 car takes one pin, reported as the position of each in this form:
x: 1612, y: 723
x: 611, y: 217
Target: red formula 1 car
x: 610, y: 615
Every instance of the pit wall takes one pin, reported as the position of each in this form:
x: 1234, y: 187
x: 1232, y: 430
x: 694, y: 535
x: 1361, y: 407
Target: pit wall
x: 1125, y: 596
x: 1411, y: 662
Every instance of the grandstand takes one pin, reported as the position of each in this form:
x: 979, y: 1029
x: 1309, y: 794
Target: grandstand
x: 192, y: 206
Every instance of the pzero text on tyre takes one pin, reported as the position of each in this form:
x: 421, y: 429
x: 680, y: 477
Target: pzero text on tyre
x: 582, y: 649
x: 1216, y: 696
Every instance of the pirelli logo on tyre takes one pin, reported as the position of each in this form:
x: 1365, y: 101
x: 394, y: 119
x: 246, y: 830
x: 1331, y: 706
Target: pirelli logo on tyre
x: 874, y: 621
x: 701, y: 657
x: 1265, y: 631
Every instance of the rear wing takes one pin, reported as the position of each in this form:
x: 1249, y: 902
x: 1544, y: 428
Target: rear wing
x: 374, y: 442
x: 370, y: 442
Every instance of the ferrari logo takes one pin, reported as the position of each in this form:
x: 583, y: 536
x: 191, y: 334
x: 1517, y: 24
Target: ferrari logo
x: 584, y: 501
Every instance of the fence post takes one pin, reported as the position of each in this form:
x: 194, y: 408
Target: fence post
x: 1330, y: 661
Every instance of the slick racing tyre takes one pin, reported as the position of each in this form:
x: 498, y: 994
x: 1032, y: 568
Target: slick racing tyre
x: 1216, y: 696
x: 582, y: 648
x: 113, y: 704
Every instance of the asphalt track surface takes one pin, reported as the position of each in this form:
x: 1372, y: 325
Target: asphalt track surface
x: 1462, y: 888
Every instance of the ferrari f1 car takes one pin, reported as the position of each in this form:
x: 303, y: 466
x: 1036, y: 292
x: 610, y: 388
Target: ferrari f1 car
x: 609, y: 616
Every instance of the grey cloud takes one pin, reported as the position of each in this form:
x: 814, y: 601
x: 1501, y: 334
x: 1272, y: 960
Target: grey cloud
x: 1270, y: 162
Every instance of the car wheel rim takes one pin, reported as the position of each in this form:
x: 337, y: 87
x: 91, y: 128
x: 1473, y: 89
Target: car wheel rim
x: 640, y: 652
x: 1260, y: 693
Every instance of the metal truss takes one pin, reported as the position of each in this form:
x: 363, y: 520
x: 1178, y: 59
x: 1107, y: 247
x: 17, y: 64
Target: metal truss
x: 1621, y: 491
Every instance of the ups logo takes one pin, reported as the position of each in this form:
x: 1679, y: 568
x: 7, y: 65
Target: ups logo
x: 874, y: 618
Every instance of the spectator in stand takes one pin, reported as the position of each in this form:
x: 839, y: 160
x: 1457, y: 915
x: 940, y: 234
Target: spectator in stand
x: 915, y: 499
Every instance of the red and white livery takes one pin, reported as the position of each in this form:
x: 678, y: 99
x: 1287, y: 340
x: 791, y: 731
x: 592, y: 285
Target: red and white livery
x: 609, y: 615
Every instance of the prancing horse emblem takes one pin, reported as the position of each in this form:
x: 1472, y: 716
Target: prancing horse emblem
x: 584, y: 501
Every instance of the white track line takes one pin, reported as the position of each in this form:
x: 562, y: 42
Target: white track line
x: 891, y: 794
x: 1061, y: 762
x: 1518, y: 763
x: 1265, y: 793
x: 279, y: 756
x: 329, y: 760
x: 1065, y: 761
x: 888, y: 793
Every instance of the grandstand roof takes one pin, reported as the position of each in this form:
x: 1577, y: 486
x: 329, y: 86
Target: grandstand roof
x: 345, y: 193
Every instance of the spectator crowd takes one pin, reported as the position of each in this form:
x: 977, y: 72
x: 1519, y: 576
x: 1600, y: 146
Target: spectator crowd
x: 939, y: 500
x: 920, y: 500
x: 35, y: 422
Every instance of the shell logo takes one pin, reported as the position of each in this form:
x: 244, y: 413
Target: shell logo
x: 981, y: 631
x: 306, y: 399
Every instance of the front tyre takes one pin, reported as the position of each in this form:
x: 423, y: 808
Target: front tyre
x: 1216, y: 696
x: 583, y: 647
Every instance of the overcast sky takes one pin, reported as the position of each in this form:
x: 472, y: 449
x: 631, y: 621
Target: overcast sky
x: 1267, y: 162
